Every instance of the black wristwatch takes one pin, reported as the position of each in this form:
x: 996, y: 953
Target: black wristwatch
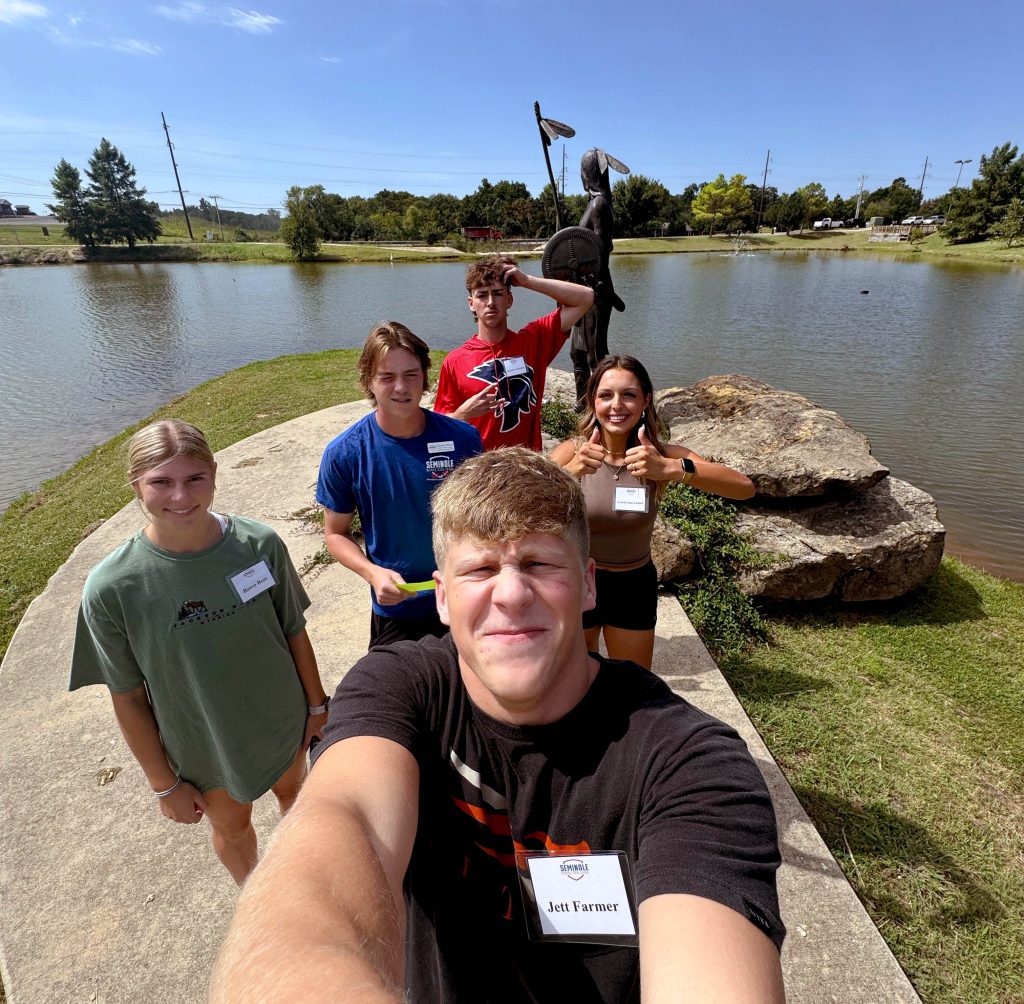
x: 689, y: 468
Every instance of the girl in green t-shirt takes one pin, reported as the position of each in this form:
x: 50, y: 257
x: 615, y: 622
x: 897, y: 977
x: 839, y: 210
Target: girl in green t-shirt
x: 196, y: 625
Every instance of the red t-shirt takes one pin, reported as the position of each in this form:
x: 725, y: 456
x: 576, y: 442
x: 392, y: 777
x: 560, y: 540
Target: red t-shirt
x: 519, y: 365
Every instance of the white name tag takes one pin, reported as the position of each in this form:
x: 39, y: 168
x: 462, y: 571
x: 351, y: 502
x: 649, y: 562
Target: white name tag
x: 443, y: 446
x: 254, y: 580
x: 514, y: 366
x: 580, y: 897
x: 631, y: 499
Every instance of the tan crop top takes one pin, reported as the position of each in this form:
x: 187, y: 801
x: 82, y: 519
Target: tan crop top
x: 618, y: 540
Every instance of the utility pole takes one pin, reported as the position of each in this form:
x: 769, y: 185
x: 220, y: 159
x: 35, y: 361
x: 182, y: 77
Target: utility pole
x: 860, y: 196
x: 170, y: 146
x: 764, y: 184
x: 924, y: 172
x: 563, y: 170
x: 217, y: 207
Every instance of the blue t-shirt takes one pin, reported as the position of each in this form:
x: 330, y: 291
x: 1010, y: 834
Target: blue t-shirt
x: 389, y: 482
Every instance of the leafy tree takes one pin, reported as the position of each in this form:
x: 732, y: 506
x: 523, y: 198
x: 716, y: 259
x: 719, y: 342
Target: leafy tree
x: 815, y: 202
x: 789, y: 212
x: 300, y: 229
x: 974, y: 213
x: 1011, y: 227
x: 117, y: 204
x: 724, y: 203
x: 71, y: 207
x: 710, y: 203
x: 639, y: 204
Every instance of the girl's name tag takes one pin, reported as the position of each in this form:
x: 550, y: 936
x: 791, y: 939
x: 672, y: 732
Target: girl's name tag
x: 252, y: 581
x: 631, y: 499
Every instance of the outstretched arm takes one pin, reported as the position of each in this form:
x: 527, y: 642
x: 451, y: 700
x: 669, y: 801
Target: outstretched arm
x: 719, y: 956
x: 575, y: 299
x: 322, y: 917
x: 644, y: 461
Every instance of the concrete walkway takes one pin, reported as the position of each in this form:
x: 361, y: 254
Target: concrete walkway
x: 102, y: 899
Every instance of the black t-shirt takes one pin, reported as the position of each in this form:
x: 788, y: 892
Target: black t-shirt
x: 633, y: 767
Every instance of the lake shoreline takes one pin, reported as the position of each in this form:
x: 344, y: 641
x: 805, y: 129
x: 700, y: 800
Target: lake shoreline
x: 854, y: 242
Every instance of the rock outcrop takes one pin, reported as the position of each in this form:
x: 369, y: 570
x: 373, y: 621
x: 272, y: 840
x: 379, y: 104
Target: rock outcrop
x: 787, y: 445
x: 875, y: 546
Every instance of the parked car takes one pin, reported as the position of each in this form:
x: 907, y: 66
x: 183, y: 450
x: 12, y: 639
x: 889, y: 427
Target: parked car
x: 913, y: 221
x: 856, y: 222
x: 827, y: 224
x: 938, y: 220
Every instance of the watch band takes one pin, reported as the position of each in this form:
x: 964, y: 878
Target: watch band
x: 320, y: 708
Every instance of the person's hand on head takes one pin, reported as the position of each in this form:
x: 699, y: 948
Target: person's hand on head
x: 511, y: 274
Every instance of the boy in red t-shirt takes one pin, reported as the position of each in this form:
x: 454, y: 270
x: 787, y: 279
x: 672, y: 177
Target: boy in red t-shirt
x: 495, y: 381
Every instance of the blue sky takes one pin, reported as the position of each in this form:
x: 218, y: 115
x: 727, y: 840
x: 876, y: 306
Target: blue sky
x: 433, y: 95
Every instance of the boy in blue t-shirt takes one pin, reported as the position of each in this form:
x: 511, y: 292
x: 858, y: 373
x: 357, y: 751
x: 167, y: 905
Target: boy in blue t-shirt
x: 386, y: 467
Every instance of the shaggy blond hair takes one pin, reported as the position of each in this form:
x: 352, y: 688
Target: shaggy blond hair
x: 384, y: 337
x: 503, y: 495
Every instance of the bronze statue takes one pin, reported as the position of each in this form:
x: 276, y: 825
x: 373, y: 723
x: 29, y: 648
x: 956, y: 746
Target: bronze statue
x: 590, y: 335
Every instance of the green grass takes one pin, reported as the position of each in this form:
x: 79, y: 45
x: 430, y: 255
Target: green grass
x: 901, y: 728
x: 40, y: 529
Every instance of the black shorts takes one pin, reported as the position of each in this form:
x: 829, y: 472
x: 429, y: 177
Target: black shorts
x: 627, y: 600
x: 384, y: 630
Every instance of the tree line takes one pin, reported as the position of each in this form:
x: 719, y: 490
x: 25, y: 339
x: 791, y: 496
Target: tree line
x: 113, y: 209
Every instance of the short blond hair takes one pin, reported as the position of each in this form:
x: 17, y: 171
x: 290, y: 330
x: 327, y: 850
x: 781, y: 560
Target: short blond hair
x: 161, y: 442
x: 503, y: 495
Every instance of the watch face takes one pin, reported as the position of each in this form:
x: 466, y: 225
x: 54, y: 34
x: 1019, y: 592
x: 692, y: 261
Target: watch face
x: 689, y: 466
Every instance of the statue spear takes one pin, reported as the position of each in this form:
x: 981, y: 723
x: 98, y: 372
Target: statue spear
x: 549, y: 129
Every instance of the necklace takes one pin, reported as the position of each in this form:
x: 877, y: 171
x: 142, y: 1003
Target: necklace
x: 618, y: 470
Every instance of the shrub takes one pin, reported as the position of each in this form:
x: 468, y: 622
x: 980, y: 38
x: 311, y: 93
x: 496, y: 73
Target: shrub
x: 558, y: 419
x: 724, y: 617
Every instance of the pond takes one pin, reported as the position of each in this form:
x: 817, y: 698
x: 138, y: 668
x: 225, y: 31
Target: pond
x: 926, y: 359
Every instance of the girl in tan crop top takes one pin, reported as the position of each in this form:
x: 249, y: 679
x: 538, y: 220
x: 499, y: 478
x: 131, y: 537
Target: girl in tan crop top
x: 622, y: 465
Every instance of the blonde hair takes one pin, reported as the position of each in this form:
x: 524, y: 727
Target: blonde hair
x: 384, y: 337
x: 160, y: 442
x: 503, y: 495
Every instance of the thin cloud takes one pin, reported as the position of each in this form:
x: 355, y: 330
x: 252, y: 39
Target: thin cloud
x: 13, y: 11
x: 252, y: 21
x: 329, y: 59
x: 132, y: 46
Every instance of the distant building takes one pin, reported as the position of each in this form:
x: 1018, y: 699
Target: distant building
x: 6, y: 209
x: 482, y: 233
x: 23, y: 211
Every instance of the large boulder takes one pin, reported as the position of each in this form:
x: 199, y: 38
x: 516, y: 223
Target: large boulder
x: 787, y: 445
x: 875, y: 546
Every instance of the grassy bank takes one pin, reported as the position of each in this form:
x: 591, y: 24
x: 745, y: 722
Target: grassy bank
x: 900, y: 725
x: 901, y: 728
x: 56, y: 250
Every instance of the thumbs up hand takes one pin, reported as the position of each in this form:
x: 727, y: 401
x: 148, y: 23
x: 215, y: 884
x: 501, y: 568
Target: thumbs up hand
x: 589, y: 457
x: 643, y: 460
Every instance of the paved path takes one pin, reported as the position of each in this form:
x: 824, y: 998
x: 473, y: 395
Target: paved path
x: 102, y: 899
